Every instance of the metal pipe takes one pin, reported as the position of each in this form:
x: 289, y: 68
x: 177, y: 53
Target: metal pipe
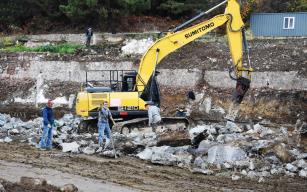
x: 246, y: 47
x: 198, y: 16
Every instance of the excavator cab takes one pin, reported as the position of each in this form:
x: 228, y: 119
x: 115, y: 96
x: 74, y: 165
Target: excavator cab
x: 128, y: 81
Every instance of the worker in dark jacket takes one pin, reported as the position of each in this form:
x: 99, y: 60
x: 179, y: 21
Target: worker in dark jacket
x: 88, y: 34
x: 104, y: 116
x: 48, y: 119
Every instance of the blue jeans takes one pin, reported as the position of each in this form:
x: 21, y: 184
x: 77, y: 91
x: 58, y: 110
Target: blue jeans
x: 103, y: 127
x: 46, y: 139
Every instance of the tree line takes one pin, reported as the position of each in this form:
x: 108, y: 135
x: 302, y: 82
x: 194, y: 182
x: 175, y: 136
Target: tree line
x: 28, y: 14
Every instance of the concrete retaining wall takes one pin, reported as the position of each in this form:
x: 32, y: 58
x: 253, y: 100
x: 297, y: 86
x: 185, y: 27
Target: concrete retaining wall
x: 278, y: 80
x: 75, y: 71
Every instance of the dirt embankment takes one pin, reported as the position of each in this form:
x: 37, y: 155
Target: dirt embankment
x: 266, y: 55
x: 139, y: 174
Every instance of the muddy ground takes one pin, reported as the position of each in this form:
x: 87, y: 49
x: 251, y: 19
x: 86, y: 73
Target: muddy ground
x: 140, y: 175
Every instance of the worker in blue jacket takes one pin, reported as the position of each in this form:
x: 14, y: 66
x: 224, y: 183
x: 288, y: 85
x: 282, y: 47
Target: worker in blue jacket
x: 48, y: 119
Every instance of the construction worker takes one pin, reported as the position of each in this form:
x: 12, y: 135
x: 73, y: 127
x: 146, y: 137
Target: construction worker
x: 48, y: 119
x: 153, y: 115
x: 104, y: 116
x: 88, y: 34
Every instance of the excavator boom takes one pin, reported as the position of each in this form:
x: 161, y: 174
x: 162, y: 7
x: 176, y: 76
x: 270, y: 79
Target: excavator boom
x: 178, y: 38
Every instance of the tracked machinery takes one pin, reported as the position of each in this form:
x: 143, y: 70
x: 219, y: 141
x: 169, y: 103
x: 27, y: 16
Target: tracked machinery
x: 127, y: 91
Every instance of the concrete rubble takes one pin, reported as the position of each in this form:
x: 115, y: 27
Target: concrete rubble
x: 236, y: 150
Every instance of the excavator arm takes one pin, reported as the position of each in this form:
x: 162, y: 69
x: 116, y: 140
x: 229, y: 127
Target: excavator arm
x: 178, y: 38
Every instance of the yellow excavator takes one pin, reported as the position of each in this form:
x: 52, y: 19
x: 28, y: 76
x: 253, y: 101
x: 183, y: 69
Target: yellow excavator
x: 128, y: 91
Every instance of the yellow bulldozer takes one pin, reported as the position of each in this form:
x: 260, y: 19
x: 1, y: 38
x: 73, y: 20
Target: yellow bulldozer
x: 128, y: 91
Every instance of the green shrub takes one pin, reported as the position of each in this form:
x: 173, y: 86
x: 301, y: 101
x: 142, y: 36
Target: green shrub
x: 64, y: 48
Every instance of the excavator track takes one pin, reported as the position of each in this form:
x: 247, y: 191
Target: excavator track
x: 170, y: 123
x: 135, y: 125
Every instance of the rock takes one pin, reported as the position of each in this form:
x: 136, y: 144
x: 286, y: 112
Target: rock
x: 87, y: 135
x: 244, y: 172
x: 303, y: 173
x: 290, y: 174
x: 263, y: 131
x: 163, y: 157
x: 265, y: 174
x: 301, y: 164
x: 54, y: 132
x: 225, y: 153
x: 280, y: 151
x: 8, y: 140
x: 174, y: 138
x: 128, y: 147
x: 166, y: 155
x: 33, y: 141
x: 197, y: 130
x: 251, y: 165
x: 235, y: 177
x: 28, y: 125
x: 302, y: 156
x: 227, y: 165
x: 277, y: 171
x: 66, y: 129
x: 252, y: 174
x: 68, y: 117
x: 2, y: 189
x: 243, y: 164
x: 109, y: 153
x: 231, y: 127
x: 204, y: 146
x: 146, y: 154
x: 33, y: 181
x: 14, y: 131
x: 83, y: 143
x: 291, y: 167
x: 198, y: 161
x: 203, y: 171
x: 69, y: 188
x: 261, y: 180
x: 200, y: 137
x: 70, y: 147
x: 89, y: 150
x: 272, y: 159
x: 2, y: 122
x: 206, y: 105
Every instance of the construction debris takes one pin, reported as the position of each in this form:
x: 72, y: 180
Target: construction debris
x: 238, y: 150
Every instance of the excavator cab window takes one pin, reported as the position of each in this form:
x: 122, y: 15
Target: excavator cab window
x: 128, y: 83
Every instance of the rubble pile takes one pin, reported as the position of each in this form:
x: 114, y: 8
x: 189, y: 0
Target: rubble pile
x: 237, y: 150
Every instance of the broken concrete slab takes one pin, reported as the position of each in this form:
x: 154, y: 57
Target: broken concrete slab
x: 225, y: 153
x: 70, y: 147
x: 89, y: 150
x: 291, y: 167
x: 7, y: 140
x: 303, y: 173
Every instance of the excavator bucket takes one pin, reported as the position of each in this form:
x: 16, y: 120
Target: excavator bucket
x: 242, y: 87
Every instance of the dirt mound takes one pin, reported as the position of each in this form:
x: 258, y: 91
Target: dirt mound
x: 24, y: 187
